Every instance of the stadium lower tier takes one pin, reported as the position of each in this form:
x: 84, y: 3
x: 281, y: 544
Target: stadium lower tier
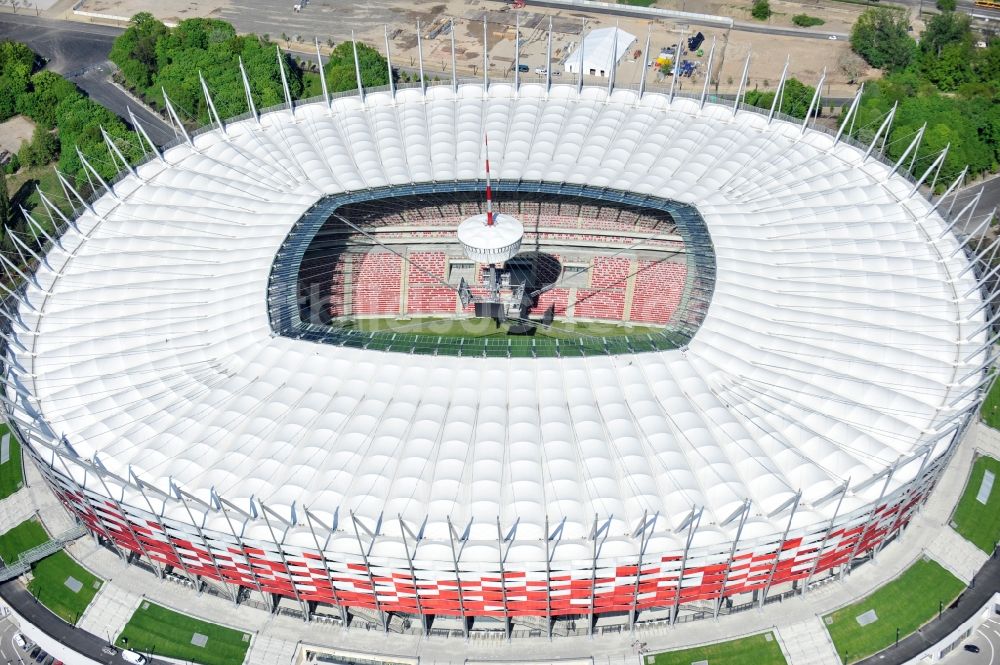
x: 350, y: 567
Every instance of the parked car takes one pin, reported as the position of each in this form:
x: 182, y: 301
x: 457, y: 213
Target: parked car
x: 133, y: 657
x: 541, y: 71
x: 971, y: 648
x: 523, y: 68
x: 833, y: 37
x: 21, y: 641
x: 41, y: 656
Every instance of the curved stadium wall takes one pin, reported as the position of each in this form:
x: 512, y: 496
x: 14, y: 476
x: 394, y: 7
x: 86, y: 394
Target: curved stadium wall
x: 796, y: 432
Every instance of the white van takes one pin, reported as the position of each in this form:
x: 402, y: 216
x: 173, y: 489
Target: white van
x: 133, y: 657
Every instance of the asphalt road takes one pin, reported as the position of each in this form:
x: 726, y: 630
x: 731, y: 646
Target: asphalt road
x: 34, y: 612
x: 79, y: 51
x: 989, y: 200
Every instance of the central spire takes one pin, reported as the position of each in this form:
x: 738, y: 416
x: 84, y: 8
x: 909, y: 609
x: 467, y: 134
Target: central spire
x: 489, y: 190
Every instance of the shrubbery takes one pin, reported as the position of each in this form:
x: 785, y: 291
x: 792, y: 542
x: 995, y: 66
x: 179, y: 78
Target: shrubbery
x: 806, y: 21
x: 761, y: 10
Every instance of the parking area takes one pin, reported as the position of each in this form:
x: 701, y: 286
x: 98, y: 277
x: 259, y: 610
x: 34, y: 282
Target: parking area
x: 986, y: 639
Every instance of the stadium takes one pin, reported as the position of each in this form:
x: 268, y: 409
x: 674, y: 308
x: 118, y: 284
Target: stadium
x: 727, y: 360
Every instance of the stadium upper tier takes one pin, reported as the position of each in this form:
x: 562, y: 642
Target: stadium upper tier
x: 838, y: 350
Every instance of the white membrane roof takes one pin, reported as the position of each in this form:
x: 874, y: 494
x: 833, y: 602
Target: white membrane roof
x: 833, y: 347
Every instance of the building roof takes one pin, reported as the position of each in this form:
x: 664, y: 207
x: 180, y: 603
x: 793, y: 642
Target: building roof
x: 828, y: 354
x: 597, y: 48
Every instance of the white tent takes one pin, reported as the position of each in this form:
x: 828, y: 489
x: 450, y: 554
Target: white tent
x: 596, y: 51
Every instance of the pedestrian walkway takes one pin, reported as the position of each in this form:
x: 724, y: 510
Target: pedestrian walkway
x: 110, y: 610
x: 807, y: 643
x: 267, y: 650
x: 957, y: 554
x: 15, y: 509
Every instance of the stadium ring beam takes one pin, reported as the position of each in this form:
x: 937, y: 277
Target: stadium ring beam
x: 800, y: 428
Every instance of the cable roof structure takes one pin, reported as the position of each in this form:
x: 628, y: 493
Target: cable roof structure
x: 840, y: 356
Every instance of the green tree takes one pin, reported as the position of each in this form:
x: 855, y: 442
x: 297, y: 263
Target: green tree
x: 794, y: 100
x: 972, y: 126
x: 16, y: 64
x: 6, y: 209
x: 761, y: 10
x: 880, y: 37
x: 42, y: 149
x: 47, y: 90
x: 944, y: 29
x: 153, y: 58
x: 134, y: 51
x: 946, y: 5
x: 339, y: 69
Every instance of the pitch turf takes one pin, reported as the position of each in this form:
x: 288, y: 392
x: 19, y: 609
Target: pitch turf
x: 11, y: 478
x: 482, y: 327
x: 157, y: 630
x: 907, y: 603
x: 753, y: 650
x: 978, y: 523
x: 48, y: 585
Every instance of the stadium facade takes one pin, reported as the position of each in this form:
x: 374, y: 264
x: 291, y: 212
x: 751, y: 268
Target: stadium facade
x: 821, y: 369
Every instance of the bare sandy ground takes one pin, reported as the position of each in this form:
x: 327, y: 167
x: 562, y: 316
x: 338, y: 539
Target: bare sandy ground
x: 14, y: 132
x: 332, y: 21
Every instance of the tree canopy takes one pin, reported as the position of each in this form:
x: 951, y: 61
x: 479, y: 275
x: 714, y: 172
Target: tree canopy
x: 971, y: 125
x: 880, y: 37
x: 339, y: 69
x: 794, y: 100
x: 153, y: 58
x: 16, y: 64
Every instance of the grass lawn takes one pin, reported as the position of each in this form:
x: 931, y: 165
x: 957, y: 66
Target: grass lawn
x: 637, y: 3
x: 990, y: 410
x: 11, y: 478
x: 158, y: 630
x: 907, y: 603
x: 49, y: 586
x: 22, y: 537
x: 753, y: 650
x: 49, y: 576
x: 978, y: 523
x: 483, y: 327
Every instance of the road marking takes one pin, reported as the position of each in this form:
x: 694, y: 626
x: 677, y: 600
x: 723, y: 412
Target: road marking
x: 988, y: 641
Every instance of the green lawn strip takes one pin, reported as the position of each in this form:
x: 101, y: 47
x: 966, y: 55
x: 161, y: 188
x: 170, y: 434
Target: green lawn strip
x: 907, y: 603
x: 22, y: 537
x: 48, y: 585
x: 157, y: 630
x: 753, y: 650
x: 990, y: 410
x: 976, y: 522
x: 11, y: 478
